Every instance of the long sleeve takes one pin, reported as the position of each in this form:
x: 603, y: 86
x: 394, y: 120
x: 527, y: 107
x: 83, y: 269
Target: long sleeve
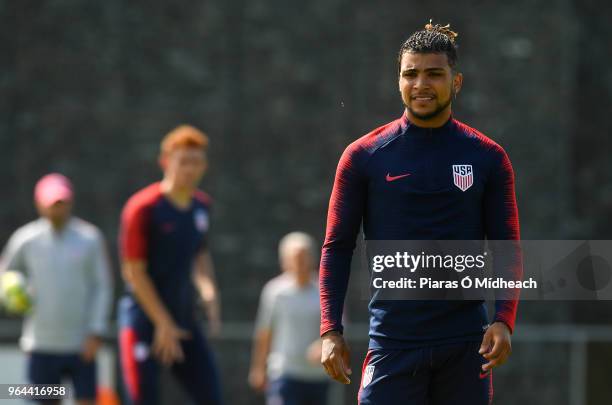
x: 346, y: 208
x: 101, y: 288
x: 12, y: 257
x: 503, y: 233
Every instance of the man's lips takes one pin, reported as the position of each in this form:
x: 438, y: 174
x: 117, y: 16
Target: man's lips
x: 422, y: 98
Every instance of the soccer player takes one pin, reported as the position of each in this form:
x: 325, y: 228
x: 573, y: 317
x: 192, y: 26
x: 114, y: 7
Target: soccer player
x: 164, y: 249
x: 66, y: 265
x: 286, y: 335
x: 399, y: 182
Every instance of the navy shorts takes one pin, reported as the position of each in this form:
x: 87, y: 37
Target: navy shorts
x: 49, y: 368
x: 449, y: 374
x: 292, y: 391
x: 197, y: 373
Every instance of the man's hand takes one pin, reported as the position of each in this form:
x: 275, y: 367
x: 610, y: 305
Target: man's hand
x: 167, y: 342
x: 257, y: 379
x: 335, y: 357
x: 496, y: 346
x: 90, y: 348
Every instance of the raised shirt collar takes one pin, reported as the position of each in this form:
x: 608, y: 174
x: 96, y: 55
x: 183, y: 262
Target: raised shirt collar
x: 408, y: 127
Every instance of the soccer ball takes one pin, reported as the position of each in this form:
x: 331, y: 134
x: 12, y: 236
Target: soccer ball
x: 13, y: 293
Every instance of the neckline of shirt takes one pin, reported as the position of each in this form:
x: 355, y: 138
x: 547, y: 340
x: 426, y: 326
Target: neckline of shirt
x: 48, y: 227
x: 172, y: 204
x: 290, y: 281
x: 411, y: 129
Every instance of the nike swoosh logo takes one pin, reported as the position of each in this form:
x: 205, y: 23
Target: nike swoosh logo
x: 483, y: 375
x: 393, y: 178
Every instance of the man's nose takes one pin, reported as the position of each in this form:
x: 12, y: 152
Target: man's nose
x: 420, y: 82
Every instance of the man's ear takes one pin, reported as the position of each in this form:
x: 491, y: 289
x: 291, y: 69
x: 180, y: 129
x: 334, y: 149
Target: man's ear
x: 162, y: 161
x: 457, y: 82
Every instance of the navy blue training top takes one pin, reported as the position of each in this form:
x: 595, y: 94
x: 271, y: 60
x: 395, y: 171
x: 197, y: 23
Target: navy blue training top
x: 168, y: 239
x: 400, y: 181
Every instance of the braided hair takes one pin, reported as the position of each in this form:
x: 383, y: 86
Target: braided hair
x: 434, y: 38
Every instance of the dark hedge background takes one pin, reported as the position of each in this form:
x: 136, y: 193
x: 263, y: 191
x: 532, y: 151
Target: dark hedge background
x: 89, y: 88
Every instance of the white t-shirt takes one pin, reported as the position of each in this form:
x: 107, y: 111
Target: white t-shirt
x: 293, y: 316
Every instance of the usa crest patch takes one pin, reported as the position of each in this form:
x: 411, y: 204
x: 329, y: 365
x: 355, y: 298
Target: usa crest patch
x: 463, y: 176
x: 368, y: 373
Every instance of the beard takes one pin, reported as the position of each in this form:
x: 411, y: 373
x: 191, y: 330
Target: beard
x: 441, y: 106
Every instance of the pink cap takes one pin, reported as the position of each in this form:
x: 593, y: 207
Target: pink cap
x: 52, y: 188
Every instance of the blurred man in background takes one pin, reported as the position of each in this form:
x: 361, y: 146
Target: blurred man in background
x: 66, y: 266
x: 424, y: 176
x: 286, y: 348
x: 164, y: 249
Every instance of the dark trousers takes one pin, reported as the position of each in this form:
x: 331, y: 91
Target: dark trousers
x: 50, y: 368
x: 447, y: 374
x: 292, y: 391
